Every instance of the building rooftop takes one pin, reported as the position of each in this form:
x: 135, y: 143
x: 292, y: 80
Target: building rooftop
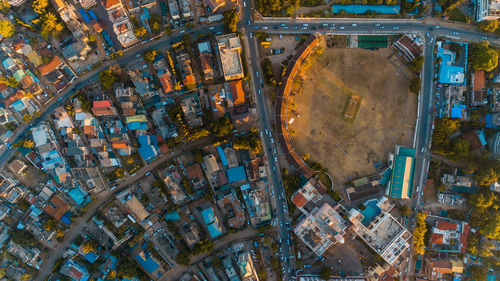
x: 229, y: 51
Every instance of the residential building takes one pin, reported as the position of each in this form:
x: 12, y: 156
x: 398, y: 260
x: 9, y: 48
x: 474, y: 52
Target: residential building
x: 452, y: 181
x: 29, y: 256
x: 195, y: 175
x: 57, y: 73
x: 56, y: 207
x: 402, y: 164
x: 173, y: 182
x: 185, y: 8
x: 173, y: 7
x: 487, y: 10
x: 452, y: 68
x: 246, y: 267
x: 188, y: 78
x: 451, y: 199
x: 448, y: 236
x: 193, y: 112
x: 16, y: 3
x: 231, y: 209
x: 205, y: 59
x: 494, y: 146
x: 122, y: 26
x: 229, y: 46
x: 408, y: 47
x: 437, y: 269
x: 130, y: 202
x: 380, y: 230
x: 148, y: 147
x: 75, y: 271
x: 134, y: 6
x: 214, y: 5
x: 212, y: 222
x: 87, y: 4
x: 479, y: 88
x: 322, y: 228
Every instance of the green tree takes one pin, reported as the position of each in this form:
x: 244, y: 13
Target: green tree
x: 419, y: 234
x: 50, y: 26
x: 107, y: 78
x: 126, y: 268
x: 140, y: 32
x: 150, y: 55
x: 231, y: 18
x: 7, y: 28
x: 482, y: 57
x: 416, y: 64
x: 415, y: 85
x: 182, y: 259
x: 197, y: 155
x: 405, y: 210
x: 325, y: 273
x: 39, y: 6
x: 460, y: 149
x: 222, y: 127
x: 488, y: 25
x: 485, y: 176
x: 481, y: 200
x: 478, y: 273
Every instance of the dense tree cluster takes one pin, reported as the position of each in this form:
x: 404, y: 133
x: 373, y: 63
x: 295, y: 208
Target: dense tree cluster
x: 482, y: 57
x: 419, y: 234
x: 447, y: 5
x: 415, y: 85
x: 7, y: 28
x: 187, y: 132
x: 149, y: 55
x: 222, y: 127
x: 231, y: 19
x: 267, y: 69
x: 107, y: 78
x: 252, y: 143
x: 416, y: 64
x: 485, y: 215
x: 488, y: 25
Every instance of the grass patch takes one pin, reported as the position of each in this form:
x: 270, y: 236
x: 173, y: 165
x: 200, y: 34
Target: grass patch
x: 457, y: 15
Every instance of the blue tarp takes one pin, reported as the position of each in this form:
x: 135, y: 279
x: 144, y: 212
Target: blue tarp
x: 236, y: 174
x: 456, y: 112
x: 65, y: 220
x: 222, y: 156
x: 173, y: 216
x: 362, y: 9
x: 92, y: 14
x: 148, y: 264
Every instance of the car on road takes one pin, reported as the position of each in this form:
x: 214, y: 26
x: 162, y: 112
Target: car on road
x: 251, y: 36
x: 396, y: 27
x: 354, y: 24
x: 342, y: 27
x: 436, y: 26
x: 377, y: 24
x: 211, y: 28
x: 257, y: 73
x: 455, y: 33
x: 484, y: 38
x: 259, y: 92
x: 264, y: 27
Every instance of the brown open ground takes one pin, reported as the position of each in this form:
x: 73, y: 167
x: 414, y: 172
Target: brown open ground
x: 386, y: 116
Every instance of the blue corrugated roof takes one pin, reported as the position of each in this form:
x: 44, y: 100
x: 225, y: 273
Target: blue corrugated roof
x: 211, y: 222
x: 78, y: 196
x: 236, y: 174
x: 148, y: 264
x: 222, y: 156
x: 456, y: 112
x: 148, y: 148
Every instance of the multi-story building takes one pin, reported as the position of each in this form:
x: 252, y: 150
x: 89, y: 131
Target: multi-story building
x: 121, y: 22
x: 487, y: 10
x: 229, y: 46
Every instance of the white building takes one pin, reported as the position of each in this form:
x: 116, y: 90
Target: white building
x: 487, y: 10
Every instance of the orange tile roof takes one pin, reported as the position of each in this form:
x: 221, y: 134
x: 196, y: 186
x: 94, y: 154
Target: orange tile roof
x: 437, y: 238
x: 166, y: 82
x: 110, y: 3
x: 479, y: 82
x: 122, y: 27
x: 56, y: 207
x: 87, y: 130
x: 189, y: 79
x: 97, y: 26
x: 13, y: 98
x: 3, y: 86
x: 119, y: 145
x: 101, y: 103
x: 237, y: 92
x: 444, y: 225
x: 299, y: 200
x: 49, y: 67
x: 18, y: 45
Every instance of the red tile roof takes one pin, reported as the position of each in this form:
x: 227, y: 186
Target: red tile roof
x: 49, y: 67
x: 110, y: 3
x: 437, y: 238
x: 56, y: 207
x: 299, y: 200
x: 444, y: 225
x: 479, y: 82
x: 464, y: 237
x: 119, y: 145
x: 101, y: 103
x: 166, y: 82
x: 237, y: 92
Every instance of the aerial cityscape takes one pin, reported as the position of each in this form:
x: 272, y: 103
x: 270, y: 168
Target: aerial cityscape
x: 226, y: 140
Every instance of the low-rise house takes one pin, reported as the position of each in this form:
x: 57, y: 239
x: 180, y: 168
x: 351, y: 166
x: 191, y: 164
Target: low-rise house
x: 205, y: 59
x: 448, y: 236
x: 130, y: 202
x: 122, y: 26
x: 56, y: 207
x: 148, y: 147
x: 192, y: 110
x: 195, y: 176
x: 437, y: 269
x: 229, y: 46
x: 75, y: 271
x: 173, y: 182
x: 103, y: 108
x: 188, y: 78
x: 57, y: 73
x: 173, y: 7
x: 231, y: 210
x: 29, y: 256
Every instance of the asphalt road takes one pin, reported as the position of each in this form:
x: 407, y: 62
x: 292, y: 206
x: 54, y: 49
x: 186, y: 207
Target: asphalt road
x: 286, y: 254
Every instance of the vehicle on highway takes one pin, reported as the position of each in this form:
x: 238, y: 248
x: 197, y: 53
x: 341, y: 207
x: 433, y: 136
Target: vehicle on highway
x: 259, y: 92
x: 257, y: 73
x: 354, y: 24
x: 304, y: 27
x: 342, y: 27
x: 264, y: 27
x: 396, y: 27
x: 484, y: 38
x: 436, y: 26
x: 377, y: 24
x: 305, y: 24
x: 211, y: 28
x: 455, y: 33
x: 251, y: 35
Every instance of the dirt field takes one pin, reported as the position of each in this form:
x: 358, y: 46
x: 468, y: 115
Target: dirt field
x: 386, y: 116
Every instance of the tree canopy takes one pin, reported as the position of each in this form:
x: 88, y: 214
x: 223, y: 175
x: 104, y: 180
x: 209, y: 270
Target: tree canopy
x: 107, y: 78
x: 416, y: 64
x: 150, y: 55
x: 415, y: 85
x: 482, y: 57
x: 478, y: 273
x: 50, y: 26
x: 488, y: 25
x: 7, y: 28
x: 419, y: 234
x: 231, y: 19
x: 222, y: 127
